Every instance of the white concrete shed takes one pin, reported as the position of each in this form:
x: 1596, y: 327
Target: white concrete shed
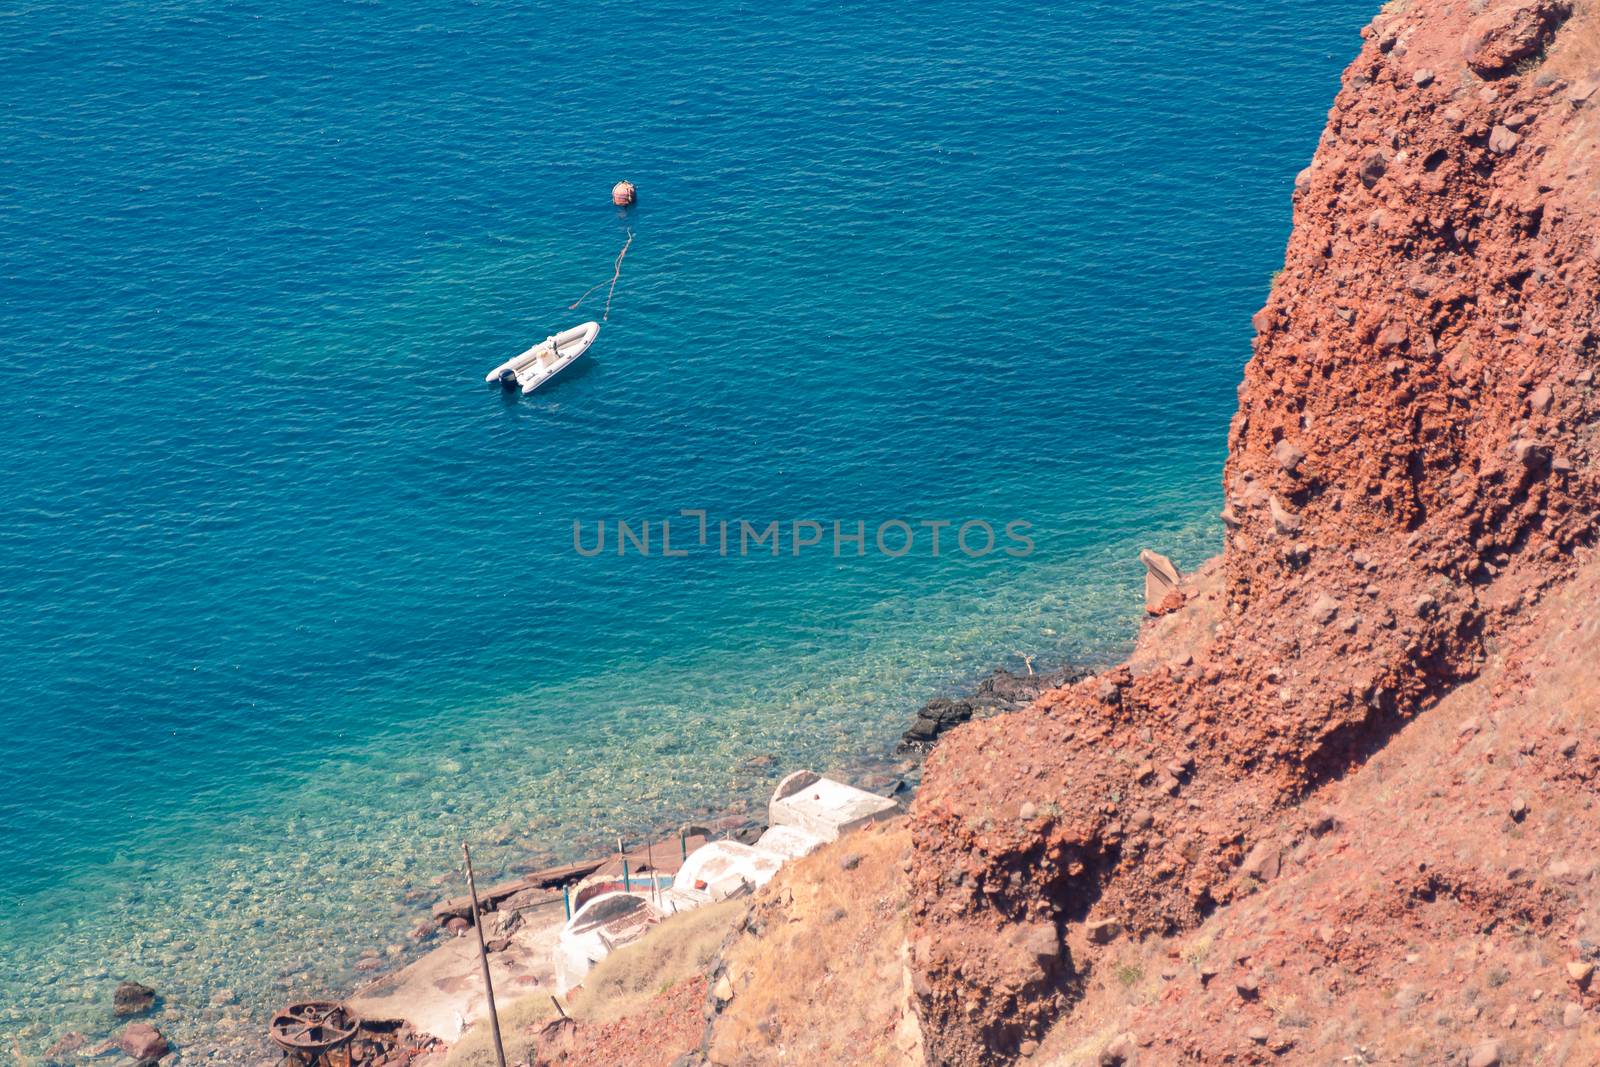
x: 823, y: 807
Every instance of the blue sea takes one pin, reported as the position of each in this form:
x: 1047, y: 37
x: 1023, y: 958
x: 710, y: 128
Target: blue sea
x: 292, y: 601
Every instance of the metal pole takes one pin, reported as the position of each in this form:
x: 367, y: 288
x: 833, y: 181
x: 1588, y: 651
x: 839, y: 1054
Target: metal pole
x: 483, y: 957
x: 655, y: 877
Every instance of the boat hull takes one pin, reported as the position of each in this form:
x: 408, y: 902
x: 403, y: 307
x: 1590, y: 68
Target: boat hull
x: 529, y: 370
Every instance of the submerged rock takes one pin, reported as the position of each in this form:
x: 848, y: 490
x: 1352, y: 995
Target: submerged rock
x: 143, y: 1042
x: 133, y: 998
x: 1000, y: 692
x: 933, y: 719
x: 67, y: 1044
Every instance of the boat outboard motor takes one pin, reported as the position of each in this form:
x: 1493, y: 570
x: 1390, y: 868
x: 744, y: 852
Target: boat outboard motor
x: 508, y: 378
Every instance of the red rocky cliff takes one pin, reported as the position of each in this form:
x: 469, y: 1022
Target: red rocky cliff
x: 1412, y: 466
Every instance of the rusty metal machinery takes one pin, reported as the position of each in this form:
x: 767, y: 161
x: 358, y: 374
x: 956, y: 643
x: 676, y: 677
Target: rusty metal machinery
x: 316, y: 1033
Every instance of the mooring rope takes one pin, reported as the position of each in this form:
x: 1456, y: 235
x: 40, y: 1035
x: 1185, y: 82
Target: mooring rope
x: 616, y: 273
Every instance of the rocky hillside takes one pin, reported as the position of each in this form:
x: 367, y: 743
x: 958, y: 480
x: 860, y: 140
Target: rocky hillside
x: 1411, y: 470
x: 1340, y: 805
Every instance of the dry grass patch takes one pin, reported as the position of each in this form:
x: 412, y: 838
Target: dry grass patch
x: 520, y: 1021
x: 682, y: 947
x: 623, y: 984
x: 1575, y: 53
x: 819, y: 973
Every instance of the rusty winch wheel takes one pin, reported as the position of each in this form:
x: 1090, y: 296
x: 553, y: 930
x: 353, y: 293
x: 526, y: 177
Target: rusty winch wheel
x: 310, y: 1032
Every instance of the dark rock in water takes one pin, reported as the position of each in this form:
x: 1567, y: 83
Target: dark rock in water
x: 885, y: 785
x: 132, y: 998
x: 1013, y: 691
x: 933, y: 719
x: 1000, y: 692
x: 1011, y: 688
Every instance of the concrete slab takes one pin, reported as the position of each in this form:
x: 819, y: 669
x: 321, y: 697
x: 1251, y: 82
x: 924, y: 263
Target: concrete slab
x: 442, y: 993
x: 824, y: 807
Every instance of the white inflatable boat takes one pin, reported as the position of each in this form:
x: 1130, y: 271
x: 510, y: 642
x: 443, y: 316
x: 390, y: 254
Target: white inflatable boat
x: 544, y: 360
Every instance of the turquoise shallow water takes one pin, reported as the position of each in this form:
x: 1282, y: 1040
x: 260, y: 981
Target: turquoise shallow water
x: 291, y: 602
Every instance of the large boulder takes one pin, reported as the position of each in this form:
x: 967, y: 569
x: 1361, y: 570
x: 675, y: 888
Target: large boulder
x: 500, y: 924
x: 1510, y: 32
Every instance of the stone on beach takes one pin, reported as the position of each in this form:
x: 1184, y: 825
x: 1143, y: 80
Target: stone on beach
x: 1502, y: 141
x: 1373, y: 170
x: 1264, y: 861
x: 1284, y: 521
x: 1324, y: 610
x: 1288, y: 456
x: 499, y: 924
x: 1118, y: 1053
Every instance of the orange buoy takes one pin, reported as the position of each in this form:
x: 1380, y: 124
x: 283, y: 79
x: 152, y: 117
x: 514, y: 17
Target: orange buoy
x: 622, y: 194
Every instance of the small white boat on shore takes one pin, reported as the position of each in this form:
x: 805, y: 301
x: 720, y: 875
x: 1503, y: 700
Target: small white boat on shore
x: 545, y: 360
